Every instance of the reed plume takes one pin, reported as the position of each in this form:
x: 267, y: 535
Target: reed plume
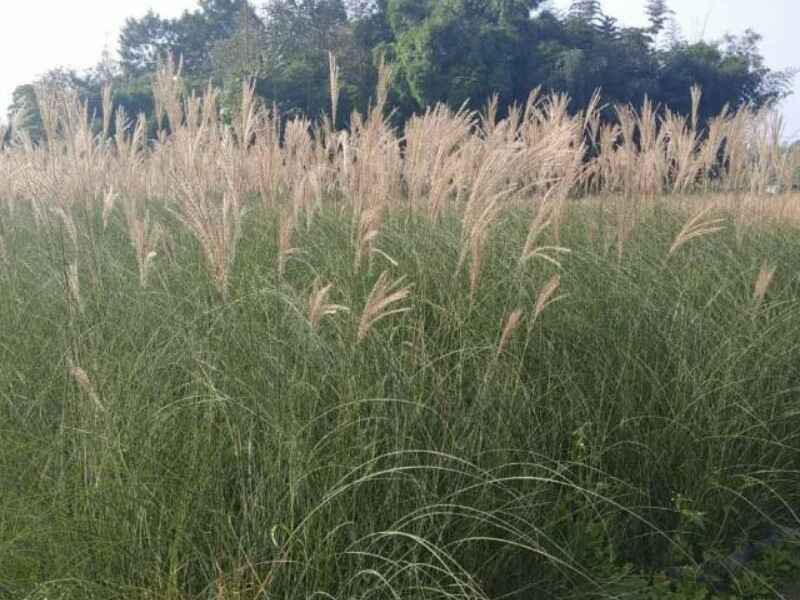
x: 319, y: 307
x: 694, y: 228
x: 545, y: 297
x: 384, y: 294
x: 509, y: 325
x: 762, y: 283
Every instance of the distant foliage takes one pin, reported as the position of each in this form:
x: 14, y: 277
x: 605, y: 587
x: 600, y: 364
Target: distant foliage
x: 458, y: 52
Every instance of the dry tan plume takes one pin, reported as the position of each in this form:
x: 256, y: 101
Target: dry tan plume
x: 384, y: 294
x: 285, y: 249
x: 319, y: 307
x: 545, y: 297
x: 145, y: 237
x: 532, y: 248
x: 762, y: 283
x: 369, y: 224
x: 333, y: 68
x: 696, y: 227
x: 4, y: 258
x: 509, y: 325
x: 81, y: 378
x: 73, y: 287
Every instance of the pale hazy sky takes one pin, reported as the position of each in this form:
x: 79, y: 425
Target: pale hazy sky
x: 41, y: 34
x: 38, y: 35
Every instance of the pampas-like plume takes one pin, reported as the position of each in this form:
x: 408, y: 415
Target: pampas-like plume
x: 532, y: 249
x: 384, y: 294
x: 81, y: 378
x: 487, y: 199
x: 204, y: 172
x: 509, y: 326
x: 545, y: 297
x: 334, y: 85
x: 217, y: 229
x: 267, y: 155
x: 695, y: 227
x: 431, y: 160
x: 476, y: 242
x: 318, y: 307
x: 285, y: 249
x: 385, y: 74
x: 145, y: 237
x: 108, y: 110
x: 65, y: 215
x: 109, y: 199
x: 72, y: 283
x: 368, y: 229
x: 249, y: 115
x: 761, y: 284
x: 167, y: 92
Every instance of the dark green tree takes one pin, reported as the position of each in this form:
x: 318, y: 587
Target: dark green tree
x: 144, y: 41
x: 730, y: 72
x: 589, y: 12
x: 201, y: 31
x: 658, y: 13
x: 298, y: 37
x: 240, y: 56
x: 459, y: 51
x: 453, y: 51
x: 578, y: 58
x: 192, y: 36
x: 24, y: 110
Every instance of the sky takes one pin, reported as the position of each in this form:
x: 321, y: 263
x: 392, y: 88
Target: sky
x: 39, y: 35
x: 42, y: 34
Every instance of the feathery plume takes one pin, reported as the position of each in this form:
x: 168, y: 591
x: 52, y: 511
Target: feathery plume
x: 318, y: 307
x: 763, y: 280
x: 509, y: 325
x: 81, y: 378
x: 545, y: 297
x: 334, y: 87
x: 384, y: 294
x: 73, y: 287
x: 109, y: 199
x: 285, y: 249
x: 695, y: 227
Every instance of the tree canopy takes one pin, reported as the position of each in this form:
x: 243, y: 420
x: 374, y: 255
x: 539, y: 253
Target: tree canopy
x: 460, y: 52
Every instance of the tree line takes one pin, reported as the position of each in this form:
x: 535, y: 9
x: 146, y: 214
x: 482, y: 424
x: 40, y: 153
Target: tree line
x: 459, y: 52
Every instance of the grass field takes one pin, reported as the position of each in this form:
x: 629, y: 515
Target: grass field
x: 306, y: 369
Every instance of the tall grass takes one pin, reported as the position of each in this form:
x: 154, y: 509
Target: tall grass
x: 481, y: 359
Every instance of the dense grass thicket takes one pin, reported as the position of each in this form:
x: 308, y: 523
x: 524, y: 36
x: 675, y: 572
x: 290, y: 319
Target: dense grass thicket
x: 537, y: 357
x: 647, y: 418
